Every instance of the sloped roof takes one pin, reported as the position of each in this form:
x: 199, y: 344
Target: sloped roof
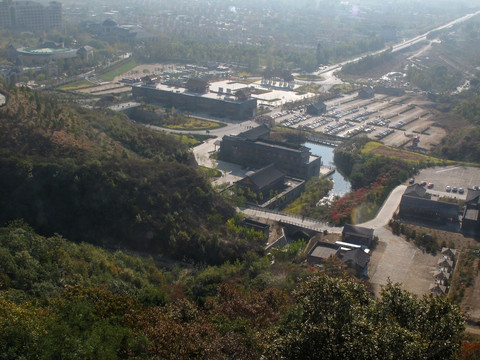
x: 415, y: 190
x: 323, y: 250
x: 438, y: 289
x: 357, y: 231
x: 471, y: 214
x: 429, y: 206
x: 319, y: 106
x: 109, y: 22
x: 445, y: 263
x: 356, y: 256
x: 265, y: 176
x: 441, y: 275
x: 255, y: 133
x: 448, y: 252
x: 473, y: 196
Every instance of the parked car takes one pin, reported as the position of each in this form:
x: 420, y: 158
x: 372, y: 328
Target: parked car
x: 476, y: 187
x: 423, y: 183
x: 454, y: 189
x: 448, y: 188
x: 461, y: 191
x: 411, y: 181
x: 430, y: 185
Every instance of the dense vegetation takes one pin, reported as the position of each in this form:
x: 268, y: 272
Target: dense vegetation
x: 184, y: 49
x: 463, y: 141
x: 437, y: 78
x: 95, y: 177
x: 364, y: 65
x: 372, y: 177
x: 59, y: 300
x: 306, y: 203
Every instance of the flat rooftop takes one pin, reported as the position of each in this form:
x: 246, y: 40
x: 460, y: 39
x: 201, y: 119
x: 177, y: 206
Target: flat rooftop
x: 186, y: 92
x: 44, y: 51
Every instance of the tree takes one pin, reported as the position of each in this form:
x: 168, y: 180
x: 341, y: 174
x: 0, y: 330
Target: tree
x: 337, y: 319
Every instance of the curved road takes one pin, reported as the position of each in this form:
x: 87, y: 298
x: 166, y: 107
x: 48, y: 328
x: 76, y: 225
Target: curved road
x: 393, y: 260
x: 384, y: 215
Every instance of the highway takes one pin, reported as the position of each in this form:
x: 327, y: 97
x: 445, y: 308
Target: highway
x: 331, y: 79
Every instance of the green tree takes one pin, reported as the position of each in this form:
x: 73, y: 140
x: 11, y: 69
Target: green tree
x: 337, y: 319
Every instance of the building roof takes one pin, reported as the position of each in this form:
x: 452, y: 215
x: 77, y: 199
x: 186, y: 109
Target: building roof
x: 366, y: 91
x: 256, y: 224
x: 357, y: 231
x: 448, y: 252
x: 323, y: 250
x: 243, y: 94
x: 430, y: 206
x: 438, y: 289
x: 196, y: 84
x: 445, y: 263
x: 357, y: 257
x: 318, y: 106
x: 265, y: 176
x: 441, y: 275
x: 471, y: 214
x: 473, y: 196
x: 255, y: 133
x: 415, y: 190
x: 109, y: 22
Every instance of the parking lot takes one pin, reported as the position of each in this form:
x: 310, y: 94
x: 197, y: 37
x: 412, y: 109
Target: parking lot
x: 396, y: 121
x: 453, y: 176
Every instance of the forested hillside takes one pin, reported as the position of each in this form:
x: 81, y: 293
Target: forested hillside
x: 94, y: 176
x: 60, y: 300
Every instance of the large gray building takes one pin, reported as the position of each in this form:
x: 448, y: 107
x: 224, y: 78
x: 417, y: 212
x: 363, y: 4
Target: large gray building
x: 254, y: 148
x: 195, y: 96
x: 30, y: 15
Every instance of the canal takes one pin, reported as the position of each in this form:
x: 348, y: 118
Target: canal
x: 341, y: 185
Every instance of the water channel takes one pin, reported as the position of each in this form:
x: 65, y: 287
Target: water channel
x: 341, y: 185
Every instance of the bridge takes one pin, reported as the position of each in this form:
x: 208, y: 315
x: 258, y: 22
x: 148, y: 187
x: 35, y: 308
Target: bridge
x: 294, y: 222
x: 321, y: 140
x: 125, y: 107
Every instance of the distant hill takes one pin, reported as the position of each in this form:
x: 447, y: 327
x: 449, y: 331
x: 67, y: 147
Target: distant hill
x: 94, y: 176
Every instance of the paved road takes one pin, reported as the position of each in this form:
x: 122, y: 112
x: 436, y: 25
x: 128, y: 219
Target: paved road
x: 329, y: 72
x: 387, y: 210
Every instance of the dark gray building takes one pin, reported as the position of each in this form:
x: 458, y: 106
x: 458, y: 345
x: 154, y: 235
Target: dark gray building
x: 254, y: 148
x: 197, y: 97
x: 471, y: 213
x: 414, y: 206
x: 357, y: 235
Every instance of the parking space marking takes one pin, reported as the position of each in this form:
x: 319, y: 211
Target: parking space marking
x: 454, y: 168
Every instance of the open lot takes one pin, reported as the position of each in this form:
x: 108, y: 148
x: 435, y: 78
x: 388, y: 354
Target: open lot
x: 393, y: 120
x: 400, y: 261
x: 457, y: 175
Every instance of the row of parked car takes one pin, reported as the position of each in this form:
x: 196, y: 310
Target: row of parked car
x: 448, y: 188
